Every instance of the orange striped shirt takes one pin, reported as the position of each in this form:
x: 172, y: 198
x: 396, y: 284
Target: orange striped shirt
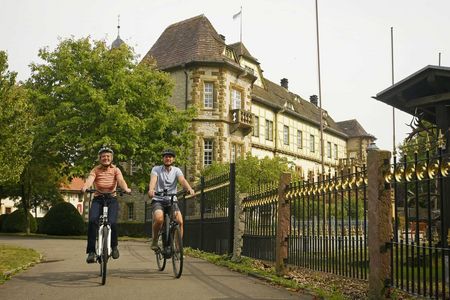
x: 105, y: 180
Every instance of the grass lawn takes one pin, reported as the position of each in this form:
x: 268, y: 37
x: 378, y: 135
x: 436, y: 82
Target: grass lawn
x: 13, y: 258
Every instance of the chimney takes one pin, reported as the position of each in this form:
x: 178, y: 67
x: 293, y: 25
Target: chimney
x: 313, y: 99
x: 222, y: 37
x: 284, y: 83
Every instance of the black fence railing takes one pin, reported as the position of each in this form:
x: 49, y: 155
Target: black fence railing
x: 260, y: 214
x: 420, y: 252
x: 328, y: 229
x: 209, y: 215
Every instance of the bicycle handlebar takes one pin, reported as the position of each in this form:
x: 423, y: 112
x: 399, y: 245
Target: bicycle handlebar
x: 165, y: 194
x: 119, y: 191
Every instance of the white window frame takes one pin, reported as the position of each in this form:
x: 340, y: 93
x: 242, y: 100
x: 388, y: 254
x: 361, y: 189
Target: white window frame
x: 312, y: 143
x: 256, y: 126
x: 299, y: 139
x: 208, y: 95
x: 208, y: 152
x: 329, y: 149
x: 285, y: 134
x: 336, y: 151
x: 269, y: 130
x: 236, y: 99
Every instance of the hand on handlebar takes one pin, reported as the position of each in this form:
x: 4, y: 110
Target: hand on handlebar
x: 151, y: 194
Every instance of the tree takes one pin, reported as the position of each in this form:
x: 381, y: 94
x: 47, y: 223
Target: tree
x: 88, y: 96
x: 251, y: 171
x: 15, y: 125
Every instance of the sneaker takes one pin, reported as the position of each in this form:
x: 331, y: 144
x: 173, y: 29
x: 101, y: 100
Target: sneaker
x: 115, y: 253
x: 90, y: 258
x: 154, y: 245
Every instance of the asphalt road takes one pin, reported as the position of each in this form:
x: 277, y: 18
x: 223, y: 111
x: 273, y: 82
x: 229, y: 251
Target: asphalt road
x: 64, y: 274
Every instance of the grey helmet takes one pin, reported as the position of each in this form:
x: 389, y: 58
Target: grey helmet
x: 105, y: 149
x: 168, y: 152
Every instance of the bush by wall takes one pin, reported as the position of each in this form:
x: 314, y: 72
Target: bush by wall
x: 62, y: 219
x: 132, y: 229
x: 2, y: 220
x: 15, y: 222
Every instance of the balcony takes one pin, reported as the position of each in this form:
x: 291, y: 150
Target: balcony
x: 241, y: 120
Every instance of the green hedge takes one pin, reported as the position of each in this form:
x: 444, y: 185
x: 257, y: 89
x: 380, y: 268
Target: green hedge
x: 133, y: 229
x: 15, y: 222
x: 2, y: 220
x: 63, y: 219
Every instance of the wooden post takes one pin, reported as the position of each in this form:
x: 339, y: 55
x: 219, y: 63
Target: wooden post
x: 284, y: 215
x: 380, y: 223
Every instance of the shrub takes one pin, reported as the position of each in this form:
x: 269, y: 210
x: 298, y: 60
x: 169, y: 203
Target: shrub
x: 63, y: 219
x: 15, y: 222
x: 2, y: 220
x: 132, y: 229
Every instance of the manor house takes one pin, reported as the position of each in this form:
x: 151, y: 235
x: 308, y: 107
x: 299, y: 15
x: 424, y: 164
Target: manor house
x: 240, y: 111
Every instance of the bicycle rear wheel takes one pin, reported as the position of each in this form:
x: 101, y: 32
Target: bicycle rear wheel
x: 160, y: 259
x: 104, y: 254
x: 177, y: 254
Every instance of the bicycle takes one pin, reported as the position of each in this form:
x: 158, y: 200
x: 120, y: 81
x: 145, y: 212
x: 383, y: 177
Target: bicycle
x: 170, y: 243
x: 103, y: 249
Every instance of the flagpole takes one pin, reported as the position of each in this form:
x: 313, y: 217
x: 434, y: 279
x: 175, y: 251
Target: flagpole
x: 392, y: 75
x: 241, y: 26
x: 320, y: 93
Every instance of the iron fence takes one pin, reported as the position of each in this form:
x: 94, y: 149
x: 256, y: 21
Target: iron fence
x: 419, y: 247
x: 328, y: 230
x: 260, y: 214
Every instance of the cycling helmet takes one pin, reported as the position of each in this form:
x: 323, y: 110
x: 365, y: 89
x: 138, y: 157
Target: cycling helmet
x: 168, y: 152
x: 105, y: 149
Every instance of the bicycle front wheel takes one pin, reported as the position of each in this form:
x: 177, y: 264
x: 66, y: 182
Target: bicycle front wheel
x: 160, y: 258
x: 177, y: 248
x: 104, y: 254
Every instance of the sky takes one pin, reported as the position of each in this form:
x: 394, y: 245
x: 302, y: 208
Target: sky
x: 354, y: 39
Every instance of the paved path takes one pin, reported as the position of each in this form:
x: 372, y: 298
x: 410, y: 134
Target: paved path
x: 64, y: 275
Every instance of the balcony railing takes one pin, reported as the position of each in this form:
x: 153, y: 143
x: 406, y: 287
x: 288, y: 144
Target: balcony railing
x: 241, y: 119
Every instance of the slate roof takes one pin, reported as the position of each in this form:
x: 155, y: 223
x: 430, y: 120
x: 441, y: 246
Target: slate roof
x: 277, y: 96
x: 353, y: 129
x: 240, y: 50
x: 191, y: 40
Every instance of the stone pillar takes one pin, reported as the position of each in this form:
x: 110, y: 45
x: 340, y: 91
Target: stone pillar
x: 284, y: 214
x: 380, y: 223
x: 239, y: 227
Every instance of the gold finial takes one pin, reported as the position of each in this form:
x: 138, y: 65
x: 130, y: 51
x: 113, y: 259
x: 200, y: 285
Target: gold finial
x: 427, y: 142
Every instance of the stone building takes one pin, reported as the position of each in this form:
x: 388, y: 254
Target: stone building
x: 240, y: 111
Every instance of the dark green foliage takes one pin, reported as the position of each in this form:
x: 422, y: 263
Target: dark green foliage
x: 63, y: 219
x: 2, y: 220
x: 131, y: 229
x: 15, y: 222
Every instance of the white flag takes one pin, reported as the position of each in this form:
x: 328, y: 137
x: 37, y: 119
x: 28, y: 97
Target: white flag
x: 237, y: 15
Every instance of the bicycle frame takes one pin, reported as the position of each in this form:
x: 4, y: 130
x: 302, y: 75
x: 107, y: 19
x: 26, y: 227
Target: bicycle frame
x: 102, y: 224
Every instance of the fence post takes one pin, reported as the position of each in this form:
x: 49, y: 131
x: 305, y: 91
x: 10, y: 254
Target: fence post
x: 380, y: 223
x: 231, y: 208
x: 239, y: 228
x: 283, y: 221
x: 202, y: 209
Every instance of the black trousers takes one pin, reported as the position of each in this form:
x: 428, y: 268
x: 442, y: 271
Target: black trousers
x: 94, y: 214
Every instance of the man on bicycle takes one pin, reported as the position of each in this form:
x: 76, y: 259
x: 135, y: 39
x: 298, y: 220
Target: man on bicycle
x: 105, y: 177
x: 165, y: 178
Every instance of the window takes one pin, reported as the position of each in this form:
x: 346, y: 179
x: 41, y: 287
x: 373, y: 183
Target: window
x: 328, y: 149
x: 312, y: 143
x: 256, y: 126
x: 208, y: 95
x: 335, y: 151
x: 299, y: 139
x: 235, y: 99
x: 236, y: 152
x: 269, y: 130
x: 208, y: 152
x: 286, y: 135
x: 130, y: 208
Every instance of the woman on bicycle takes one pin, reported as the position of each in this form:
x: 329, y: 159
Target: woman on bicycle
x: 105, y: 177
x: 165, y: 178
